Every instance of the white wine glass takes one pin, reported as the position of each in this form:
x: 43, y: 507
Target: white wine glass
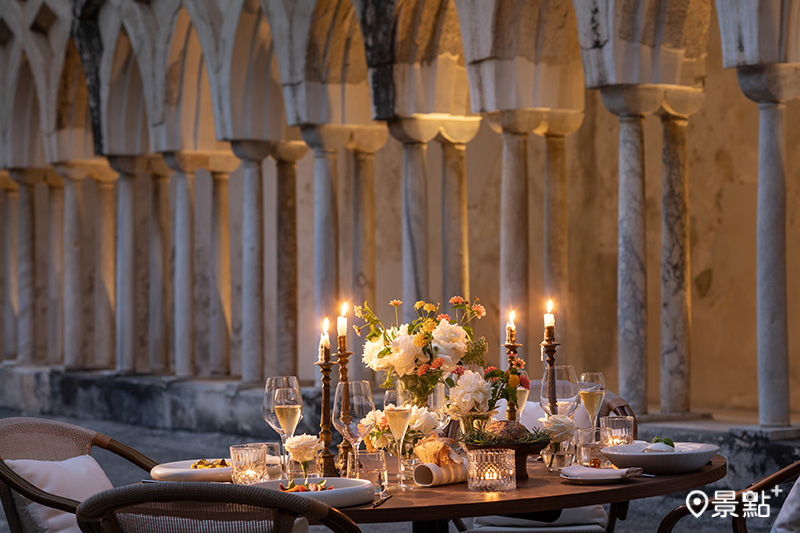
x: 437, y: 406
x: 397, y: 410
x: 273, y: 384
x: 288, y: 409
x: 351, y: 405
x: 592, y: 390
x: 562, y: 381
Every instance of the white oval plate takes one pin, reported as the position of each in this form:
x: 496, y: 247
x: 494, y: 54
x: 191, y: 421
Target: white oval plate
x: 687, y: 457
x: 595, y: 480
x: 345, y: 491
x: 183, y: 471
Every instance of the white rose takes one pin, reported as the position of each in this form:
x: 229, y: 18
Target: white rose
x: 404, y: 352
x: 471, y: 393
x: 422, y: 420
x: 450, y: 340
x: 303, y: 448
x: 560, y: 427
x: 371, y: 350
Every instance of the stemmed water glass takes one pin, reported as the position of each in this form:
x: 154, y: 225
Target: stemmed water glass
x: 350, y: 410
x: 282, y: 408
x: 592, y: 390
x: 437, y: 405
x: 397, y: 410
x: 560, y: 378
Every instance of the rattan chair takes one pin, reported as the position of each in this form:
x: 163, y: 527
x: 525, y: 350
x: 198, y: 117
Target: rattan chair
x: 48, y: 440
x: 209, y: 507
x: 738, y: 523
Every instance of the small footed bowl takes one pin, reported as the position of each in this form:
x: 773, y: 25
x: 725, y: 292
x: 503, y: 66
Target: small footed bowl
x: 687, y: 457
x: 521, y: 453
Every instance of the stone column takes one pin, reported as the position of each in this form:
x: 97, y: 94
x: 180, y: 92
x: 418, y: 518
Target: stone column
x: 631, y: 103
x: 515, y: 127
x: 284, y: 358
x: 252, y: 153
x: 415, y: 134
x: 184, y: 164
x: 26, y: 261
x: 326, y: 141
x: 160, y: 300
x: 771, y: 86
x: 10, y: 232
x: 105, y: 273
x: 366, y: 141
x: 125, y: 293
x: 559, y: 124
x: 455, y: 226
x: 220, y: 294
x: 55, y: 270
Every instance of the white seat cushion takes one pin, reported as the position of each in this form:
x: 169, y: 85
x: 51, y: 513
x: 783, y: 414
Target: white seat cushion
x: 577, y: 516
x: 76, y: 478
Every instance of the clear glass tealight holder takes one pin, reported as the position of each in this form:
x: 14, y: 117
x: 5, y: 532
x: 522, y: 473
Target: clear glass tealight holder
x: 491, y: 470
x: 621, y: 429
x: 248, y: 463
x: 589, y: 442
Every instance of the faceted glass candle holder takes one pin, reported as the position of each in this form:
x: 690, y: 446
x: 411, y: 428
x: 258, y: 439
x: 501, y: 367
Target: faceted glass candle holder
x: 621, y: 429
x: 491, y: 470
x: 248, y: 463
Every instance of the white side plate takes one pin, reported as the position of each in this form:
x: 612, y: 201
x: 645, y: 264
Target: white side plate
x: 183, y: 471
x: 344, y: 492
x: 687, y: 457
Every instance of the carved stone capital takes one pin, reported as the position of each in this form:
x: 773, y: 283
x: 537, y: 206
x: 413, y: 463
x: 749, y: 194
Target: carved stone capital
x: 6, y: 183
x: 96, y: 169
x: 681, y: 101
x: 369, y: 138
x: 560, y: 122
x: 519, y: 121
x: 326, y: 137
x: 772, y: 82
x: 633, y: 99
x: 288, y: 151
x: 251, y: 151
x: 189, y: 161
x: 29, y: 176
x: 129, y: 165
x: 423, y: 128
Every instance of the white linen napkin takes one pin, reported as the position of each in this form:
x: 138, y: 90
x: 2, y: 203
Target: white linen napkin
x: 585, y: 472
x: 430, y: 475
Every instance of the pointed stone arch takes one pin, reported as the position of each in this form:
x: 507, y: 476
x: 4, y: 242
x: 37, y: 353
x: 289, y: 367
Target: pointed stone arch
x: 125, y: 132
x: 25, y: 144
x: 72, y: 137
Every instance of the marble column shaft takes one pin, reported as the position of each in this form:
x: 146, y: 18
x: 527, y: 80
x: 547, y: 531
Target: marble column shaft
x: 455, y: 227
x: 252, y: 153
x: 26, y: 324
x: 55, y: 271
x: 105, y: 276
x: 631, y: 269
x: 415, y: 227
x: 326, y: 233
x: 184, y: 273
x: 556, y: 232
x: 676, y: 325
x: 125, y: 294
x: 220, y: 297
x: 10, y: 278
x: 73, y: 272
x: 285, y: 357
x: 160, y: 297
x: 514, y: 232
x: 773, y: 358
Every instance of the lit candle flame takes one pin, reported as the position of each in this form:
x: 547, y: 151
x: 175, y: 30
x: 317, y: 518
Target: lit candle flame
x: 511, y: 316
x: 344, y: 309
x: 325, y: 324
x: 550, y: 306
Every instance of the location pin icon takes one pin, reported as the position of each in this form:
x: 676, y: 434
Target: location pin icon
x: 697, y: 502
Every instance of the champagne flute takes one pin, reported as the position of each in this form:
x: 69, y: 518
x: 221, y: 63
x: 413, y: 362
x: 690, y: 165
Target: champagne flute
x: 273, y: 384
x: 561, y: 379
x: 351, y: 405
x: 288, y: 409
x: 592, y: 390
x: 397, y: 410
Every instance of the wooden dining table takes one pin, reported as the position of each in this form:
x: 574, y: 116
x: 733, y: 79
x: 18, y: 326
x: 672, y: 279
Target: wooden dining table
x: 431, y: 508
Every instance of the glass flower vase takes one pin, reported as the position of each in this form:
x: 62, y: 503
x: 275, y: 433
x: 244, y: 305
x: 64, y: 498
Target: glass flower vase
x: 558, y: 455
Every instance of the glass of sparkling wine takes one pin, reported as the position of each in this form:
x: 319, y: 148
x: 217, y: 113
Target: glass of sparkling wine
x: 270, y: 412
x: 592, y: 390
x: 397, y: 410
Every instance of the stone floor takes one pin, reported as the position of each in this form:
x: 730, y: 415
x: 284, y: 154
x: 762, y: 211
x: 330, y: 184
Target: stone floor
x: 163, y: 446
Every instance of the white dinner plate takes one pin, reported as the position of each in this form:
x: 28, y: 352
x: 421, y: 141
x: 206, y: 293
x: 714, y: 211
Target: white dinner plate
x: 687, y: 457
x: 183, y: 471
x: 344, y: 492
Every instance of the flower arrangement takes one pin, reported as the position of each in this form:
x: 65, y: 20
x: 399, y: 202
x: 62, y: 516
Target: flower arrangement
x: 421, y: 424
x: 421, y: 353
x: 504, y: 383
x: 560, y: 428
x: 303, y: 449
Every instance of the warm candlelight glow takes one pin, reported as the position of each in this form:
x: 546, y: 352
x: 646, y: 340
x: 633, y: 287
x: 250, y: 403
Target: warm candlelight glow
x: 549, y: 318
x: 510, y: 323
x: 324, y: 342
x: 511, y: 329
x: 341, y: 322
x: 325, y: 325
x: 550, y: 305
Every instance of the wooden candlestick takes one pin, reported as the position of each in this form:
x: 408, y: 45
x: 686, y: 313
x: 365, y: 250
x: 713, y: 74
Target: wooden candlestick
x: 342, y: 356
x: 325, y: 435
x: 550, y: 346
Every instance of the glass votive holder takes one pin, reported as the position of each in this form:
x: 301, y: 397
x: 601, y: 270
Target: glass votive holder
x: 274, y: 460
x: 621, y: 429
x: 589, y: 442
x: 248, y: 463
x: 491, y: 470
x: 370, y: 466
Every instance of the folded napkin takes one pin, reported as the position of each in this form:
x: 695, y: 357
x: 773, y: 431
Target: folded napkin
x: 430, y: 475
x: 585, y: 472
